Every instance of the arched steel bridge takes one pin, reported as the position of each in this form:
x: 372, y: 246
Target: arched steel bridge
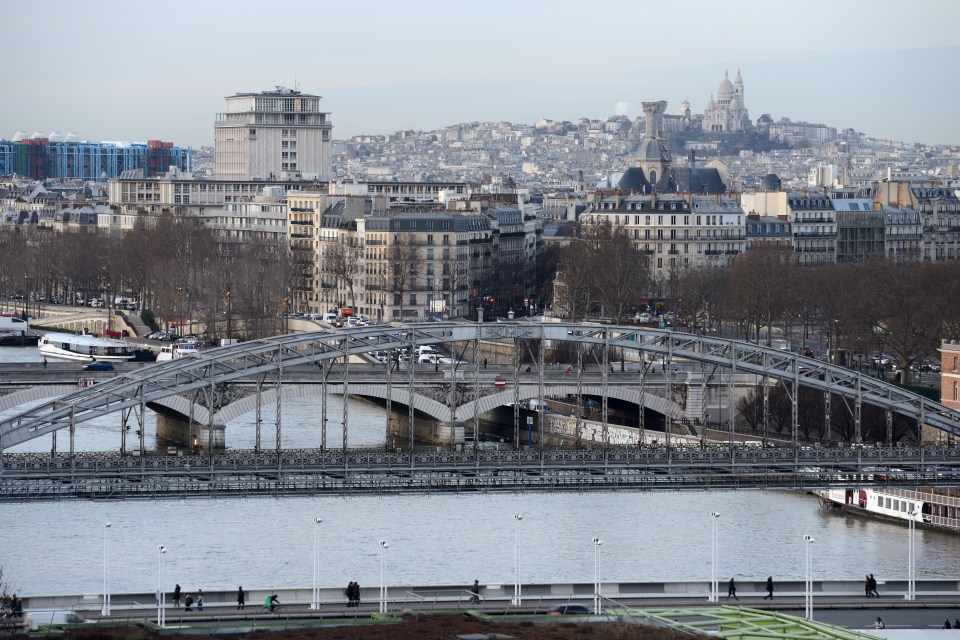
x: 264, y: 361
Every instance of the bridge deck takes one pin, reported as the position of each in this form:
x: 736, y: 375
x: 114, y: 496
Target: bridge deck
x: 309, y: 471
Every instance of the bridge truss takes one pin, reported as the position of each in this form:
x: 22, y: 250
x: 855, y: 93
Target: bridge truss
x: 263, y: 362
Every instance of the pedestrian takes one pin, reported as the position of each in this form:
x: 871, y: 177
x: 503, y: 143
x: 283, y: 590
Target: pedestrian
x: 484, y: 363
x: 769, y: 588
x: 878, y: 624
x: 44, y: 363
x: 188, y: 603
x: 732, y: 590
x: 241, y: 601
x: 956, y: 623
x: 946, y: 624
x: 873, y: 586
x: 356, y: 594
x: 200, y: 600
x: 349, y: 593
x: 475, y: 597
x: 176, y: 596
x: 866, y: 585
x: 274, y: 601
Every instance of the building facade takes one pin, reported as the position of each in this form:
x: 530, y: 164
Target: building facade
x: 814, y: 223
x: 272, y: 135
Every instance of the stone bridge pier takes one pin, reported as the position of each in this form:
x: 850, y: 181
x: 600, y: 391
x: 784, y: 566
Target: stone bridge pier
x: 176, y: 429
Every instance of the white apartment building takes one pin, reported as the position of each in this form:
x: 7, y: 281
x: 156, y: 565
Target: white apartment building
x: 270, y: 135
x: 814, y: 223
x: 674, y: 232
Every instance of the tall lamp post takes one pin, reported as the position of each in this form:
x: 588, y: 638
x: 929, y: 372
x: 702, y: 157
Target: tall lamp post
x: 106, y: 571
x: 384, y: 545
x: 597, y: 584
x: 911, y: 555
x: 517, y: 594
x: 714, y: 593
x: 315, y: 604
x: 161, y: 594
x: 26, y: 294
x: 808, y: 588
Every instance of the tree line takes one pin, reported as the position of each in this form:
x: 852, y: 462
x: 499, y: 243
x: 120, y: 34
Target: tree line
x: 175, y: 267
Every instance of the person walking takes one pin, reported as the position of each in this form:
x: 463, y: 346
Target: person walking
x: 349, y: 593
x: 241, y: 601
x: 769, y: 589
x: 475, y: 593
x: 732, y: 590
x: 176, y: 596
x: 484, y: 363
x: 866, y: 586
x: 200, y: 600
x: 188, y: 603
x: 873, y: 586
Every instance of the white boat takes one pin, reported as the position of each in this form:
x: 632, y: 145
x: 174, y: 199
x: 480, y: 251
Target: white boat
x: 939, y: 507
x: 84, y: 348
x: 171, y: 352
x: 14, y: 332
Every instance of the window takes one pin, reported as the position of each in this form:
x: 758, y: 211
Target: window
x: 413, y: 299
x: 956, y: 391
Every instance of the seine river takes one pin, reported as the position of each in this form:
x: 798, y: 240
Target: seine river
x: 264, y: 543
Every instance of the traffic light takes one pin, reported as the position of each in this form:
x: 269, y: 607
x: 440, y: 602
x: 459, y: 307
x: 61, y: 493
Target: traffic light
x: 474, y: 293
x: 490, y: 299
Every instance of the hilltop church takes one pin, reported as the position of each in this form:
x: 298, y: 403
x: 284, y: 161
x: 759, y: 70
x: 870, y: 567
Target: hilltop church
x: 728, y: 112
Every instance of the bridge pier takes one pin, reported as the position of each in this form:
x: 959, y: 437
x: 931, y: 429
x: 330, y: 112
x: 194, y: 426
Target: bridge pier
x: 176, y: 430
x: 425, y: 430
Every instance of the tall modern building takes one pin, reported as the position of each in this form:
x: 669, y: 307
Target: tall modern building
x: 272, y: 135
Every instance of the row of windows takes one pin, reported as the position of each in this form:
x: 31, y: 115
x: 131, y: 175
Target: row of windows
x: 709, y: 220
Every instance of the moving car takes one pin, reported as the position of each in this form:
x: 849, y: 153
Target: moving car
x: 98, y: 365
x: 569, y: 610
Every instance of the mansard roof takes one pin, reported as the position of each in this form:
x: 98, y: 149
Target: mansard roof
x: 634, y: 181
x: 691, y: 180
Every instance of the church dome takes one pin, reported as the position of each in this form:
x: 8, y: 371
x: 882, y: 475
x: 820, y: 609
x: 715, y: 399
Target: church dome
x: 726, y: 90
x: 650, y: 149
x: 711, y: 104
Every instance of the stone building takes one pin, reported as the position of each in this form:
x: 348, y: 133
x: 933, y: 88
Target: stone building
x: 728, y: 112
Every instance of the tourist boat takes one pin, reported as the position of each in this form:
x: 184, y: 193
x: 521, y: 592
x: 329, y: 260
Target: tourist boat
x: 171, y: 352
x: 84, y: 348
x: 937, y: 507
x: 14, y: 332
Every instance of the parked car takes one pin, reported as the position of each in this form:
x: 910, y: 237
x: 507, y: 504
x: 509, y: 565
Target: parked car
x: 98, y: 365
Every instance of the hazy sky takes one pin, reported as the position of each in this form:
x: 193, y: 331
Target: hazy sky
x: 136, y: 71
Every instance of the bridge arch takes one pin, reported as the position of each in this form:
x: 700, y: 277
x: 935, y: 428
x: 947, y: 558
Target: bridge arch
x: 271, y: 356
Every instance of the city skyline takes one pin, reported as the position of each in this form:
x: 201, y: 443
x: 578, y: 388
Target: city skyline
x: 425, y: 64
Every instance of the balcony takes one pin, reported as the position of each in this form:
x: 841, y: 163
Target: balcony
x: 814, y: 234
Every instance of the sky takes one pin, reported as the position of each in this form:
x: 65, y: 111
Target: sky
x: 111, y: 70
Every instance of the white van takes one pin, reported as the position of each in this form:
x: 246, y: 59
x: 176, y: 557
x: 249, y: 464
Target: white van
x: 426, y: 349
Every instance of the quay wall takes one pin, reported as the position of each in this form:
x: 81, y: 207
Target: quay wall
x: 656, y: 592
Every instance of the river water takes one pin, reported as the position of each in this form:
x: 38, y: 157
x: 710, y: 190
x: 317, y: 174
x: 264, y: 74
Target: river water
x: 264, y: 543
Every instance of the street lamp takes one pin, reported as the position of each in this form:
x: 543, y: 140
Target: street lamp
x: 316, y: 564
x: 106, y: 572
x: 517, y: 594
x: 384, y: 545
x: 808, y: 588
x: 597, y: 584
x: 161, y: 595
x: 911, y: 555
x: 714, y: 593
